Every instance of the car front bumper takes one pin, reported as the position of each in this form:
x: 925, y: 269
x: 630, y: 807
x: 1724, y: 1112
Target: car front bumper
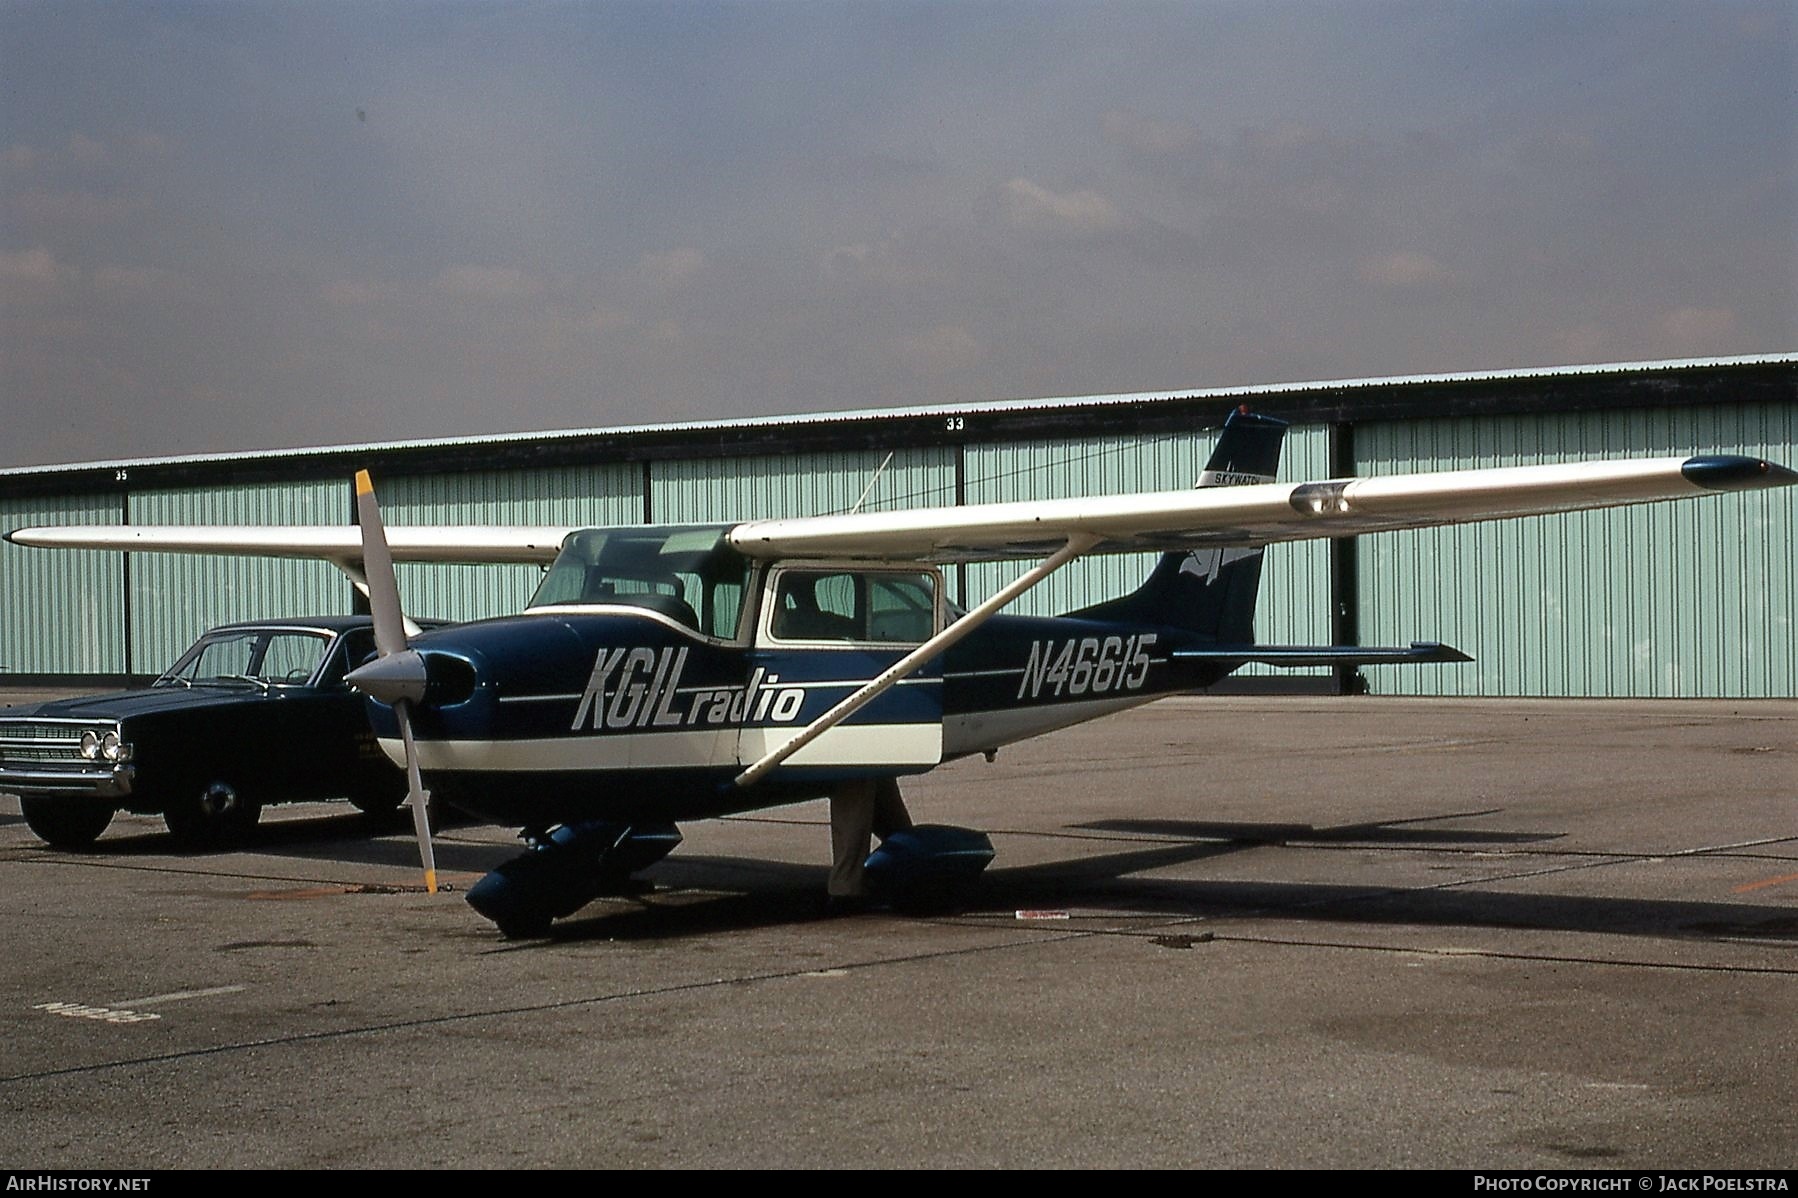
x: 99, y: 780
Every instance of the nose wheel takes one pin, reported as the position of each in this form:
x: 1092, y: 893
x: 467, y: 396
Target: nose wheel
x: 564, y: 870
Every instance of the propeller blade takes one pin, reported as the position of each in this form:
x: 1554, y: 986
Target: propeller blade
x: 417, y: 796
x: 397, y: 675
x: 377, y: 567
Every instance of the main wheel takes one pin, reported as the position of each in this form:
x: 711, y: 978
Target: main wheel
x: 216, y: 816
x: 66, y: 823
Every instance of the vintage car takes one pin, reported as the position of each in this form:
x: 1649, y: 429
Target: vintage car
x: 252, y: 714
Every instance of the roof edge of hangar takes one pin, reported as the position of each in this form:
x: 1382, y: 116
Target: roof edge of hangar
x: 571, y: 436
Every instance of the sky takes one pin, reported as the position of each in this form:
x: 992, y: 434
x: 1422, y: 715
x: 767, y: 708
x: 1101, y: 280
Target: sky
x: 250, y: 225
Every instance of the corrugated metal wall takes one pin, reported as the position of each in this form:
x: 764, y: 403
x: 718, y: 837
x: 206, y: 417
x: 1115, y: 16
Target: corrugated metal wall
x: 1690, y: 599
x: 809, y: 484
x: 605, y: 494
x: 175, y: 597
x: 1295, y: 587
x: 62, y: 611
x: 1685, y: 599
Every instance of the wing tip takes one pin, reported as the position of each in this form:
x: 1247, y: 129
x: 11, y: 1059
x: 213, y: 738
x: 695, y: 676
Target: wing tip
x: 1729, y: 472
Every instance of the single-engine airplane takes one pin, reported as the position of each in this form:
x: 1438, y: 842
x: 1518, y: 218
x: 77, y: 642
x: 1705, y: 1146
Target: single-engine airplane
x: 665, y: 674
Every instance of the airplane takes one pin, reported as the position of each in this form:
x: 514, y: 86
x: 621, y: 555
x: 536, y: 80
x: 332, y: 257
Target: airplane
x: 663, y: 674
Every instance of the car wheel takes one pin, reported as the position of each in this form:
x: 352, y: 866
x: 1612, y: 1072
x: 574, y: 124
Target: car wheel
x: 218, y: 814
x: 66, y: 823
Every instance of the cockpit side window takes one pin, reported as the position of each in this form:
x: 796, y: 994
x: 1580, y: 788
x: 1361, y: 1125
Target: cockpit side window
x: 857, y: 606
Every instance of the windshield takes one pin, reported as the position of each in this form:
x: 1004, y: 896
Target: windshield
x: 689, y: 574
x: 267, y: 656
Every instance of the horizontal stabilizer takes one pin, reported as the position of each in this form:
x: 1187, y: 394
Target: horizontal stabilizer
x: 1294, y: 656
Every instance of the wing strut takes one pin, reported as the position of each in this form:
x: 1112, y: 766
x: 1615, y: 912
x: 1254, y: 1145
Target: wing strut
x: 1077, y: 544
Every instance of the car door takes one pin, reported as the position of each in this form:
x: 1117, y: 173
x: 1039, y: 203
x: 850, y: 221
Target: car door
x: 327, y: 747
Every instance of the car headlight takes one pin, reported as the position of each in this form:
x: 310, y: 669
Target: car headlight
x: 90, y: 745
x: 109, y: 746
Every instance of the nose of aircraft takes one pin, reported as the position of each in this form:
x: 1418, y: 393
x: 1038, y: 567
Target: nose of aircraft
x: 391, y: 679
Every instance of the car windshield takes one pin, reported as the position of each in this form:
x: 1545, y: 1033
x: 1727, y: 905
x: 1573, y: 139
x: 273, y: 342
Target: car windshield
x: 259, y: 657
x: 689, y: 574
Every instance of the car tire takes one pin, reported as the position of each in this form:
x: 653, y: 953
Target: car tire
x: 66, y: 823
x: 212, y: 816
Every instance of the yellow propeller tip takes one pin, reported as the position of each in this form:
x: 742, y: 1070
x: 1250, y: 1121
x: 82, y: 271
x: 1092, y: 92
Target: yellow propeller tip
x: 431, y: 881
x: 363, y: 483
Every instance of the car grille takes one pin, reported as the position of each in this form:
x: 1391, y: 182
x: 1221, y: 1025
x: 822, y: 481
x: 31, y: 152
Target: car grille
x: 53, y: 741
x: 18, y: 730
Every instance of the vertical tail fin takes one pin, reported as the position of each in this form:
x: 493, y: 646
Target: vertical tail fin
x: 1213, y: 590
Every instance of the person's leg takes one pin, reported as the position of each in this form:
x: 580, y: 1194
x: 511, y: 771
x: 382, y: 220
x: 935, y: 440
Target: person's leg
x: 852, y: 807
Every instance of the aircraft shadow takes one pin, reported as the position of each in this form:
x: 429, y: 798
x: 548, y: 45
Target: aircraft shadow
x: 348, y: 836
x: 379, y: 840
x: 772, y: 893
x: 781, y: 893
x: 1399, y: 831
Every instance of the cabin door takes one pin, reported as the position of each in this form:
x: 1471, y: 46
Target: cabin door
x: 823, y: 631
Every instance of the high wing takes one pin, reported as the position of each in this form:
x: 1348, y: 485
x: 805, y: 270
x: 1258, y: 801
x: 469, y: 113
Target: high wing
x: 341, y: 543
x: 1255, y: 514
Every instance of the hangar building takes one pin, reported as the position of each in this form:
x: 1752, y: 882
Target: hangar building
x: 1680, y: 600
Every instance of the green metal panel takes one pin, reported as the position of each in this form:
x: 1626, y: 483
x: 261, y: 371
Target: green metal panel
x: 812, y: 484
x: 1689, y: 599
x: 62, y: 611
x: 1295, y: 588
x: 600, y: 494
x: 175, y: 597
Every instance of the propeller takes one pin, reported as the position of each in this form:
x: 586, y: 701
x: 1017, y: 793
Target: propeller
x: 397, y: 675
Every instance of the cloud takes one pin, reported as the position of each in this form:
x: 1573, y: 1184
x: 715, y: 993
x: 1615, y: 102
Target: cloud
x: 1582, y: 343
x: 1406, y: 270
x: 131, y: 281
x: 606, y: 319
x: 942, y: 350
x: 672, y: 267
x: 1695, y: 330
x: 65, y: 208
x: 350, y: 293
x: 18, y: 157
x: 487, y: 282
x: 1031, y: 206
x: 891, y: 263
x: 1146, y: 135
x: 32, y: 274
x: 154, y: 145
x: 86, y: 151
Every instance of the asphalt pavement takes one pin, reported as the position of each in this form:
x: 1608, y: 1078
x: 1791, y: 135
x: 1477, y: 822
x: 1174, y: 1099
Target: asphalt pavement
x: 1224, y: 932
